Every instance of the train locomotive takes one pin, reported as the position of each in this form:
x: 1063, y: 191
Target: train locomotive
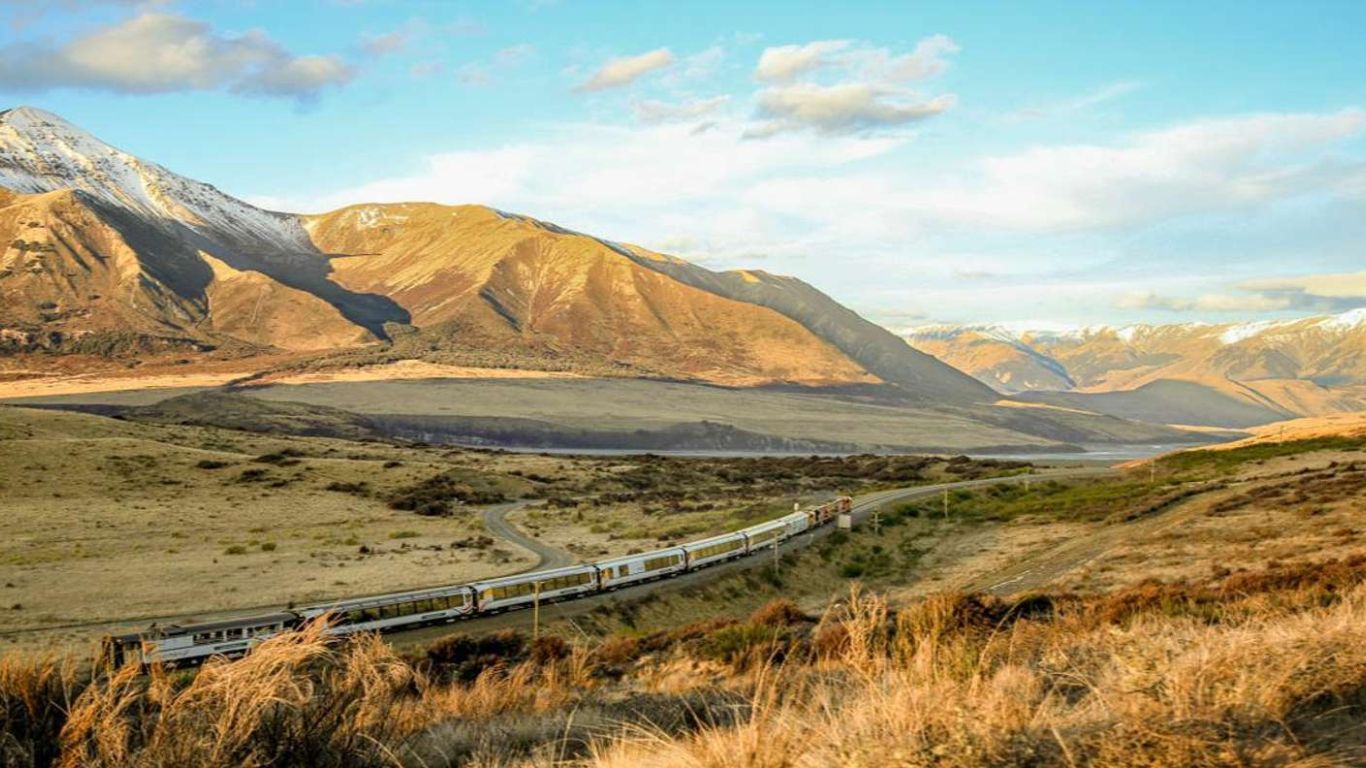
x: 187, y: 644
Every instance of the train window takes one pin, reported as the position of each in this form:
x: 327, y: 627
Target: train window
x: 655, y: 563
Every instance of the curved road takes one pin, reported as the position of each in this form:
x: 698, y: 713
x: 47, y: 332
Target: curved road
x: 495, y: 519
x: 863, y: 507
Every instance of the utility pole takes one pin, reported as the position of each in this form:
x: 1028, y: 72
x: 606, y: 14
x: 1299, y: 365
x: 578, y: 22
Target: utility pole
x: 1152, y: 472
x: 776, y: 565
x: 877, y: 521
x: 535, y: 611
x: 946, y: 502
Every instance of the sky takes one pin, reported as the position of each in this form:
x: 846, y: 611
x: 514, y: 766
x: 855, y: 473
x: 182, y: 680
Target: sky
x: 1034, y: 163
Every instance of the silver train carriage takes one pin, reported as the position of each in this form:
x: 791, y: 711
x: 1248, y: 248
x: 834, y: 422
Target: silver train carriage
x: 495, y: 595
x: 631, y: 569
x: 383, y: 612
x: 176, y: 644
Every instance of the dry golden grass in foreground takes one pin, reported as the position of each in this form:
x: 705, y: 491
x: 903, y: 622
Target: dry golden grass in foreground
x: 1263, y: 667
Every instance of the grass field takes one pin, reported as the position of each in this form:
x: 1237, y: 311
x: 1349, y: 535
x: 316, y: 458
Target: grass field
x: 1251, y: 655
x: 112, y: 521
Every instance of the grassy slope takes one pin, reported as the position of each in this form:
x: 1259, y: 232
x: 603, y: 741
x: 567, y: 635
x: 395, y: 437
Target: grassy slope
x: 1144, y: 673
x: 111, y: 520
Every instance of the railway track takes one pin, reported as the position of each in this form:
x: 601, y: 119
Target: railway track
x: 863, y: 507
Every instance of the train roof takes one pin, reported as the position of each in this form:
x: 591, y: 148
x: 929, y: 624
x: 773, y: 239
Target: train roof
x: 639, y: 556
x: 522, y: 578
x: 385, y: 599
x: 261, y: 620
x: 711, y: 540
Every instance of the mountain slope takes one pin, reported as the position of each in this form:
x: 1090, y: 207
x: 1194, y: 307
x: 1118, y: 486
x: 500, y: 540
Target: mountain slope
x: 874, y: 347
x: 1304, y: 366
x: 471, y: 270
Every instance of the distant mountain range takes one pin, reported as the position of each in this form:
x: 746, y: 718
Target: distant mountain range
x: 1234, y: 375
x: 109, y: 254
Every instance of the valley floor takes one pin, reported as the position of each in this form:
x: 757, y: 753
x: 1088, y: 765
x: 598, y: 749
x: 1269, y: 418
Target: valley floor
x: 1207, y: 609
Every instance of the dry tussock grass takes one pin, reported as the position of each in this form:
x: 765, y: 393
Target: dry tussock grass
x: 1249, y: 668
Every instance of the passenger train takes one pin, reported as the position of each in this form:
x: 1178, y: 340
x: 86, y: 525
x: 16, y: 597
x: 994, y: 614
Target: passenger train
x: 185, y: 644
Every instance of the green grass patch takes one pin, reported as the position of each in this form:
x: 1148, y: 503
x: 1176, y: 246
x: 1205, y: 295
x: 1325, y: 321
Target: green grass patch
x: 1210, y: 463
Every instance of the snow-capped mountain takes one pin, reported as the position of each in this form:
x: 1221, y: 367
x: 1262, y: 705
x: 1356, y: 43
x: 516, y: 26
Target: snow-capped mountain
x: 41, y: 152
x: 102, y: 251
x: 1304, y: 365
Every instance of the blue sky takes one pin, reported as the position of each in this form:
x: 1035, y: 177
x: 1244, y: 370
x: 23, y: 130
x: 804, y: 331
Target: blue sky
x: 1058, y: 163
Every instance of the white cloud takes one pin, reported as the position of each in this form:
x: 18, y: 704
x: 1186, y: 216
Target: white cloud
x: 652, y: 112
x: 1315, y: 292
x: 162, y: 52
x: 479, y: 73
x: 1198, y: 167
x: 385, y: 44
x: 865, y: 63
x: 514, y: 54
x: 836, y: 208
x: 867, y: 92
x: 1210, y: 302
x: 1105, y: 93
x: 786, y: 62
x: 625, y: 70
x: 837, y: 109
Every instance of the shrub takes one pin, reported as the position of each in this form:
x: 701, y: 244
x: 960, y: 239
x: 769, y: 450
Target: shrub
x: 355, y: 489
x: 235, y: 549
x: 211, y: 464
x: 285, y: 458
x: 779, y: 613
x: 269, y: 546
x: 435, y: 496
x: 255, y: 475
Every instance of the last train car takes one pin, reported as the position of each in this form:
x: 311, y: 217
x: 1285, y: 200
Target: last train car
x: 183, y: 644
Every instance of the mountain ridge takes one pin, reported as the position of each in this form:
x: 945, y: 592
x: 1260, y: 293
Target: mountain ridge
x: 197, y: 269
x: 1304, y: 366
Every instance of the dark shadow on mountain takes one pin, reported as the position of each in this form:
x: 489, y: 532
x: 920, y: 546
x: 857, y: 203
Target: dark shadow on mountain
x: 169, y: 251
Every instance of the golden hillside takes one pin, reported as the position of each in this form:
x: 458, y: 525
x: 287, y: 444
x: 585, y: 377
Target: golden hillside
x: 1248, y: 373
x: 515, y: 281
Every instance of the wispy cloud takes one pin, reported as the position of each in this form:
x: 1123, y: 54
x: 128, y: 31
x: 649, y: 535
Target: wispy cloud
x: 1105, y: 93
x: 839, y: 109
x: 483, y: 73
x: 385, y: 44
x: 625, y: 70
x: 155, y: 52
x: 651, y: 112
x: 1198, y: 167
x: 1315, y: 292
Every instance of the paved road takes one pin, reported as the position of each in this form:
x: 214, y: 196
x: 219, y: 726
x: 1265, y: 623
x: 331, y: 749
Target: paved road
x: 495, y: 519
x: 550, y: 557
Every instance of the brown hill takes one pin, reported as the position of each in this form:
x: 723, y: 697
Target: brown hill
x: 111, y: 254
x: 509, y: 280
x: 1236, y: 374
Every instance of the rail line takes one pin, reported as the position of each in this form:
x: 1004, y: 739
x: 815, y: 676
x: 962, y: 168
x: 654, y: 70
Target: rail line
x: 862, y: 507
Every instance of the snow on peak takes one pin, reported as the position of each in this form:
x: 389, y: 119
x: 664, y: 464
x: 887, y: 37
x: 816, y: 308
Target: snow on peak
x: 41, y: 152
x: 1350, y: 320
